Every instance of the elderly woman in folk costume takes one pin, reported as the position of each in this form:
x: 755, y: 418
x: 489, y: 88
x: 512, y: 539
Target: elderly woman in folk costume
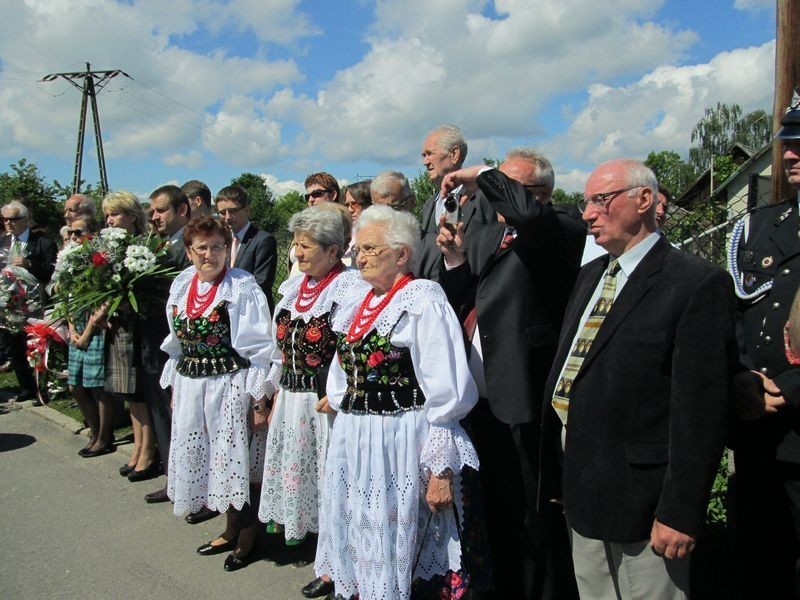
x: 399, y: 383
x: 220, y: 347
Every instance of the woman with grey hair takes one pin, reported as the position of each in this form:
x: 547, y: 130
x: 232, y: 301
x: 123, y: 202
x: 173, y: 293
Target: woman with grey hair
x: 400, y: 384
x: 299, y: 415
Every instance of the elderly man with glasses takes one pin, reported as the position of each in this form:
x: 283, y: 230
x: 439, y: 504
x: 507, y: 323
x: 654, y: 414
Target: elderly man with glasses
x: 637, y: 397
x: 35, y: 252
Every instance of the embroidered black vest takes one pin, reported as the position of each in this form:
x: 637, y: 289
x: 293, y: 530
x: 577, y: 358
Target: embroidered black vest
x: 306, y: 347
x: 380, y: 376
x: 206, y: 344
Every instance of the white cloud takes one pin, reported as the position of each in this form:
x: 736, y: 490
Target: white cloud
x: 192, y: 159
x: 658, y: 111
x: 435, y: 62
x: 754, y: 5
x: 280, y: 188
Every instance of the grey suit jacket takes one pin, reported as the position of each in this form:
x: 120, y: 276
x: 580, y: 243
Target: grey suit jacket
x: 258, y: 255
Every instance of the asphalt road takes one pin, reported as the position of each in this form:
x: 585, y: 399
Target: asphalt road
x: 73, y: 528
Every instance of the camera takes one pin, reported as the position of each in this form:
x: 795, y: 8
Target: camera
x: 452, y: 204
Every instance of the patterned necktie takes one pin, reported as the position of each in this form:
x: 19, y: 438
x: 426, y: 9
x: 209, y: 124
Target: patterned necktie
x: 234, y: 249
x: 584, y: 341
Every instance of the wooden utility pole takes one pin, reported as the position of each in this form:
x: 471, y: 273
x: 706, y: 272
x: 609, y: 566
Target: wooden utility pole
x: 91, y: 82
x: 787, y: 78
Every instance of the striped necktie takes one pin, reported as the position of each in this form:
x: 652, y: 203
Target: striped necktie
x: 584, y: 341
x: 234, y: 250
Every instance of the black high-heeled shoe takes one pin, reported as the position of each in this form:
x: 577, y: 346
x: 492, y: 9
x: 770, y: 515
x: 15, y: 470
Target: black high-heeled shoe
x: 107, y: 449
x: 154, y: 470
x: 126, y: 470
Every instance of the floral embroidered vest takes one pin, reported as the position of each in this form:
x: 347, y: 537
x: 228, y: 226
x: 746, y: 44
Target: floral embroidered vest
x: 307, y: 348
x: 380, y: 376
x: 206, y: 344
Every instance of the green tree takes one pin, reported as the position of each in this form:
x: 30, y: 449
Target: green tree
x: 671, y: 170
x: 287, y: 205
x: 721, y: 127
x: 423, y: 188
x: 561, y: 196
x: 26, y: 181
x: 262, y: 209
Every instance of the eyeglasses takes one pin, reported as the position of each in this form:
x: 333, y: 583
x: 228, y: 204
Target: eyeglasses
x: 203, y: 248
x: 369, y: 250
x: 228, y: 211
x: 11, y: 219
x: 602, y: 201
x: 71, y: 232
x: 316, y: 194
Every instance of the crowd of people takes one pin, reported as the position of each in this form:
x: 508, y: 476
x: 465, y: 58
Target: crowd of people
x: 455, y: 406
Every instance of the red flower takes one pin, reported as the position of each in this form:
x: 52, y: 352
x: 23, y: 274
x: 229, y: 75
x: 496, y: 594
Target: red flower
x: 212, y: 340
x: 313, y: 334
x: 313, y: 360
x: 376, y: 358
x: 99, y: 259
x: 281, y: 331
x: 214, y: 316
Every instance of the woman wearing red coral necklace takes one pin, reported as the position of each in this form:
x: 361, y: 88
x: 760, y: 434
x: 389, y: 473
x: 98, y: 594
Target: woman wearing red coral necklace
x: 400, y: 384
x: 300, y: 419
x: 220, y: 351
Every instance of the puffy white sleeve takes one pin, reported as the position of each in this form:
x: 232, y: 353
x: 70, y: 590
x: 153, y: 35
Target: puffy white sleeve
x: 336, y: 385
x: 172, y: 347
x: 251, y: 337
x: 440, y: 364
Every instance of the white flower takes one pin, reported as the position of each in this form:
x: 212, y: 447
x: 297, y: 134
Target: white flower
x: 116, y: 277
x: 138, y: 259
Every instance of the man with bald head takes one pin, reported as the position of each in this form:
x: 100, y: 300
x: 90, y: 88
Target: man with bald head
x: 509, y: 280
x: 78, y: 206
x: 638, y: 395
x: 391, y: 188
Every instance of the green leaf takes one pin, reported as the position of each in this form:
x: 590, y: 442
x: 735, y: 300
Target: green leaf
x: 132, y: 300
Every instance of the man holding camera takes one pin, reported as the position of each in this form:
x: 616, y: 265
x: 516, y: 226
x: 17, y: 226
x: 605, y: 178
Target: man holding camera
x: 510, y: 281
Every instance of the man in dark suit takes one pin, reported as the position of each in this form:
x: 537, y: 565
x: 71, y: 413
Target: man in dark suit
x: 510, y: 281
x: 170, y: 209
x: 766, y: 271
x: 35, y: 252
x: 253, y: 250
x: 640, y: 383
x: 444, y: 151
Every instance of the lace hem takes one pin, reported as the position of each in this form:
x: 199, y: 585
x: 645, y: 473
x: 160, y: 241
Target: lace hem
x: 258, y: 384
x: 448, y: 447
x: 411, y: 299
x: 168, y: 374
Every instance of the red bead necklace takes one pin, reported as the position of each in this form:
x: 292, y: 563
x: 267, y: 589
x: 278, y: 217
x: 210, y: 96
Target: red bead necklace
x: 196, y: 304
x: 366, y: 316
x: 308, y: 295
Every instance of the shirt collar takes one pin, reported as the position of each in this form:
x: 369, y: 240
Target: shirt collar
x: 630, y: 259
x: 176, y: 236
x: 242, y: 231
x: 23, y: 237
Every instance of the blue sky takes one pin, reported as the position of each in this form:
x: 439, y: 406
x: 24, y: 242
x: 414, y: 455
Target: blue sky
x: 284, y: 88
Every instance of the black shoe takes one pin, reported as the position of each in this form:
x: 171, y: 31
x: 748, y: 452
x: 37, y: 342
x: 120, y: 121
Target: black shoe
x: 154, y: 470
x: 317, y: 588
x: 125, y: 470
x: 208, y: 549
x: 234, y: 563
x: 99, y: 452
x: 204, y: 514
x: 84, y: 450
x: 158, y: 496
x: 37, y: 402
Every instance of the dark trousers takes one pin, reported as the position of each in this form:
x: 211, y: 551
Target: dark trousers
x: 19, y: 361
x: 529, y: 548
x: 158, y: 400
x: 766, y: 517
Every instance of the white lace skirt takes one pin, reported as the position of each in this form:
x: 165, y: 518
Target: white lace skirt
x: 293, y: 464
x: 210, y: 457
x: 373, y: 511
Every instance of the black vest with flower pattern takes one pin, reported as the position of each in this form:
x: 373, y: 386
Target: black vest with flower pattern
x: 307, y: 348
x: 206, y: 344
x: 380, y: 376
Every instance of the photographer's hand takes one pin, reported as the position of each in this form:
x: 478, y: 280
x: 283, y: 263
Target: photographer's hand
x: 451, y: 242
x: 465, y: 177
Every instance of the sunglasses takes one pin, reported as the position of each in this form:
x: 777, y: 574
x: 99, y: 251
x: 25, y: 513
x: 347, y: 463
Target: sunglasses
x: 71, y: 232
x: 11, y: 219
x: 316, y: 194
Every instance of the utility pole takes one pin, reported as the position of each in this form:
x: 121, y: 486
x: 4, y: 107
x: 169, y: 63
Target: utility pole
x: 787, y: 78
x: 90, y: 83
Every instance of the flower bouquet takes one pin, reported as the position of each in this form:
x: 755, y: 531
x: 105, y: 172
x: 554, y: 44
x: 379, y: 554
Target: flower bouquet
x: 20, y: 298
x: 109, y: 269
x: 47, y: 356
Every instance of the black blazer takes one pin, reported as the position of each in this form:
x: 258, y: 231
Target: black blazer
x: 648, y: 410
x: 258, y: 254
x: 42, y: 253
x: 771, y: 252
x: 520, y: 294
x: 476, y: 211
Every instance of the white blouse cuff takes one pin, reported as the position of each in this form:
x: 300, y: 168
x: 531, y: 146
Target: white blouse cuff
x: 448, y: 447
x: 168, y: 374
x: 258, y: 384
